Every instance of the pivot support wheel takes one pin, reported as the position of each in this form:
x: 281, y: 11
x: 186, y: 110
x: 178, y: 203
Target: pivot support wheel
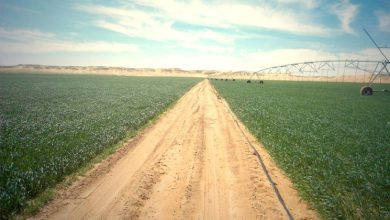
x: 366, y: 91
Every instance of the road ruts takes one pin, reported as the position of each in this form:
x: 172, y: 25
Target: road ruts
x: 193, y: 163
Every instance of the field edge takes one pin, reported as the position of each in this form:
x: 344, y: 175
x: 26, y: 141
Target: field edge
x: 287, y: 188
x: 36, y: 204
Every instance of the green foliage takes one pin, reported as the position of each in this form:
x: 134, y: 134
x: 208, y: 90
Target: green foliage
x: 333, y: 143
x: 50, y: 125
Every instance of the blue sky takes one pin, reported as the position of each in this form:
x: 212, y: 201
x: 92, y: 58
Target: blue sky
x: 222, y: 35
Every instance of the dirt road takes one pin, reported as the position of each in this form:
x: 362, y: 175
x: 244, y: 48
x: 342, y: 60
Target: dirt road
x: 193, y: 163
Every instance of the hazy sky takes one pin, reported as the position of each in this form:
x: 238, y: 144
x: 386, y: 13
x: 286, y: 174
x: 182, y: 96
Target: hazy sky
x: 225, y: 35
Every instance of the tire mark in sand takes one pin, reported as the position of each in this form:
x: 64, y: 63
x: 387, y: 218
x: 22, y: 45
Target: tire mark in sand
x: 193, y: 163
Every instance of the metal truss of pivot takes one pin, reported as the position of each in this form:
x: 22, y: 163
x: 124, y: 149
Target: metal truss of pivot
x: 326, y: 70
x: 367, y: 90
x: 312, y: 70
x: 320, y: 68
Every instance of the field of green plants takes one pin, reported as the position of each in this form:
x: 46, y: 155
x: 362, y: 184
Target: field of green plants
x: 333, y: 143
x: 50, y: 125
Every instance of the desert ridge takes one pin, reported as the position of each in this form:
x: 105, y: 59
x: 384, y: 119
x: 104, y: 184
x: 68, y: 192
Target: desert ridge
x: 176, y: 72
x: 105, y: 70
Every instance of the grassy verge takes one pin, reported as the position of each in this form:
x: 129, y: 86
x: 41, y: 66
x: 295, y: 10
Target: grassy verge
x: 34, y: 205
x: 54, y: 125
x: 332, y: 142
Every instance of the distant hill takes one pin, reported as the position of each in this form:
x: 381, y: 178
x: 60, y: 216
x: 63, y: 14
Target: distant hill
x: 105, y: 70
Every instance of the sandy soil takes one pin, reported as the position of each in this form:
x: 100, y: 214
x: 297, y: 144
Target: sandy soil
x: 193, y: 163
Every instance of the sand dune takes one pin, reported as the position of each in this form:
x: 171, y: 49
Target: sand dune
x: 123, y: 71
x: 105, y: 70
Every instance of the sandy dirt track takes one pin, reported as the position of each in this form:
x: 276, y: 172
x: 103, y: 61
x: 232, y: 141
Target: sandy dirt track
x: 193, y: 163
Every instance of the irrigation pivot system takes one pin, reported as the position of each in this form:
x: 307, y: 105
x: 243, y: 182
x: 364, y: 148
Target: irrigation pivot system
x: 367, y: 89
x: 366, y: 72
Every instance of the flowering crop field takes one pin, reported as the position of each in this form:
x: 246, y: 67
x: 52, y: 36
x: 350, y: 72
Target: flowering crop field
x: 50, y: 125
x: 333, y: 143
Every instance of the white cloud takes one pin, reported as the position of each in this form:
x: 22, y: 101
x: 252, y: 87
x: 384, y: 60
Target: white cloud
x: 383, y: 20
x: 204, y: 61
x: 346, y: 13
x: 206, y: 48
x: 367, y: 54
x: 33, y: 41
x: 157, y: 20
x: 24, y: 34
x: 287, y: 56
x: 254, y: 61
x: 259, y: 15
x: 309, y: 4
x: 278, y: 57
x: 146, y: 25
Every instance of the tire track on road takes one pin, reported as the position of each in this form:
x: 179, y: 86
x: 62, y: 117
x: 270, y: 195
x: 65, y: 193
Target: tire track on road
x: 193, y: 163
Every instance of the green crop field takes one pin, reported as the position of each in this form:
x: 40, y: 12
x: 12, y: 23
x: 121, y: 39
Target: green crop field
x: 50, y: 125
x: 332, y: 143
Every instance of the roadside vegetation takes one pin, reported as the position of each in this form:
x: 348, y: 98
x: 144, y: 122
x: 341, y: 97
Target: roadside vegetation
x: 333, y: 143
x: 51, y: 125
